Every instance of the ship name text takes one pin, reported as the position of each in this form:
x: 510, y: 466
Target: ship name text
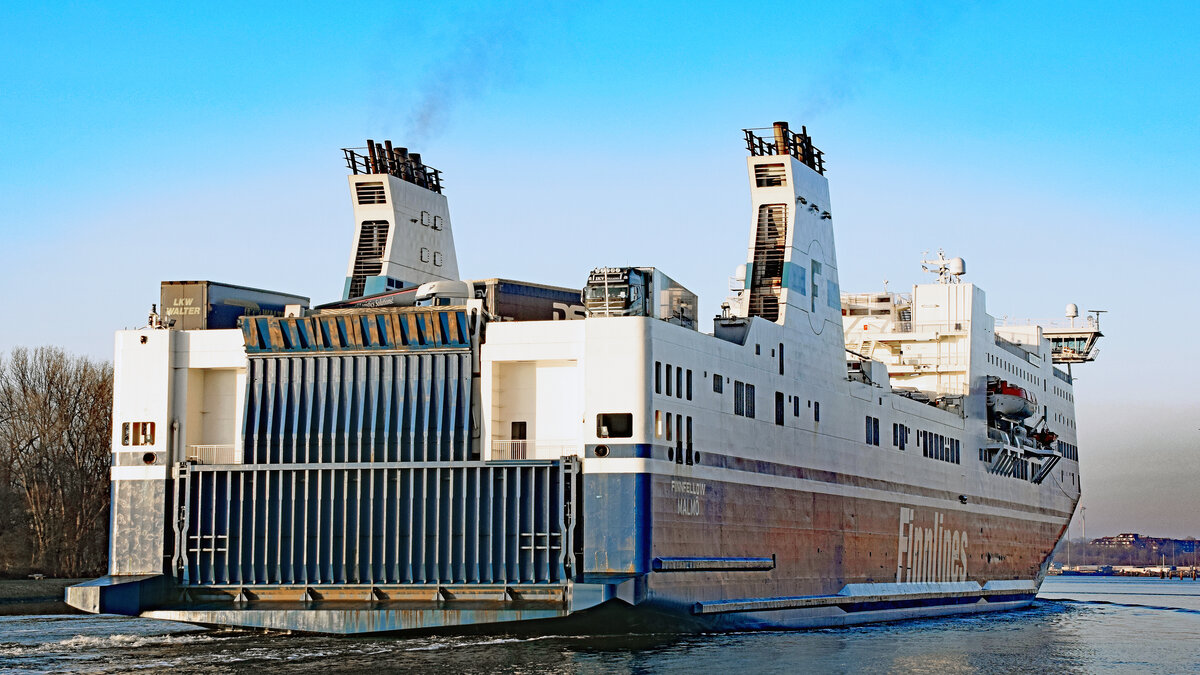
x: 928, y: 550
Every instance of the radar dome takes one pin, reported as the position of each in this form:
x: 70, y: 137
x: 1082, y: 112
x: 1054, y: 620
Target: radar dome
x: 1072, y: 311
x: 956, y: 266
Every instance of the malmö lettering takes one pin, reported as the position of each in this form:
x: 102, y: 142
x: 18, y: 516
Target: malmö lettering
x: 688, y: 495
x: 929, y: 551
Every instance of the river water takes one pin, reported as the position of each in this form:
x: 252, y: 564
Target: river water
x: 1079, y: 624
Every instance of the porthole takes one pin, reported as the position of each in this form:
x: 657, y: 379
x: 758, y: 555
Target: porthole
x: 149, y: 458
x: 670, y: 454
x: 601, y: 451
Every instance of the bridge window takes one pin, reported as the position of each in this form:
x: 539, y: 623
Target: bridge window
x: 614, y: 425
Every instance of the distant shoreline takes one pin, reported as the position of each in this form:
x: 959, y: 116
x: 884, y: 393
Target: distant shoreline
x: 20, y: 597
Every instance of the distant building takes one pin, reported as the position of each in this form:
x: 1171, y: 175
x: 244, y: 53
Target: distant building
x: 1133, y: 540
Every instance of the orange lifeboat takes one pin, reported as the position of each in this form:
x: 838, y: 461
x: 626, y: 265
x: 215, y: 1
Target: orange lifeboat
x: 1010, y: 400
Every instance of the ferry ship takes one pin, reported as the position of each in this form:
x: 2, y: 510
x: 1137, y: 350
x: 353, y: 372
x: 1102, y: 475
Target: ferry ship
x: 431, y: 453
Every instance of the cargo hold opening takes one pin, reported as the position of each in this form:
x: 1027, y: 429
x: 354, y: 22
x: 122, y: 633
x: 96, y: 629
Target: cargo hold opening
x: 542, y: 401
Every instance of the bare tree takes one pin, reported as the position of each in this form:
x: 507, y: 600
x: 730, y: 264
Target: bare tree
x: 55, y: 428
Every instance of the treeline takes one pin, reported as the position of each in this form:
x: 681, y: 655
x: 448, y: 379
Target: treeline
x: 1081, y: 552
x: 55, y: 428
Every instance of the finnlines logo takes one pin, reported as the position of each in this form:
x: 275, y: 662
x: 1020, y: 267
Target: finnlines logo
x: 928, y: 551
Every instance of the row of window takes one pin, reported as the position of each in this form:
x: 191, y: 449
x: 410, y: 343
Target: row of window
x: 1064, y: 420
x: 900, y: 433
x: 940, y: 447
x: 137, y: 433
x: 1064, y: 394
x: 677, y: 375
x: 681, y: 435
x: 1068, y: 450
x: 1013, y: 370
x: 744, y: 401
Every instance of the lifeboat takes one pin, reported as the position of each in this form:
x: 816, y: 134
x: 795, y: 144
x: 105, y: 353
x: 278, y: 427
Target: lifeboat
x: 1045, y: 438
x: 1010, y: 400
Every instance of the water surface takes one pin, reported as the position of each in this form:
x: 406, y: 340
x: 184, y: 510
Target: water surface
x: 1079, y: 624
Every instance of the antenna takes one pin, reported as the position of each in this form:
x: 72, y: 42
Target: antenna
x: 1097, y: 313
x: 948, y: 270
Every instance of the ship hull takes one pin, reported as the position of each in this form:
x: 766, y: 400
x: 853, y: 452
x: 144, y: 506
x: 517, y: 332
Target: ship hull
x: 702, y: 555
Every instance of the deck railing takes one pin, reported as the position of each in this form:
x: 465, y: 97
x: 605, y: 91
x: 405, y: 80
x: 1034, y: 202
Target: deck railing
x: 212, y: 454
x: 503, y: 449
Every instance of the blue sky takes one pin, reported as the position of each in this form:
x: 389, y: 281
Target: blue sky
x: 1054, y: 148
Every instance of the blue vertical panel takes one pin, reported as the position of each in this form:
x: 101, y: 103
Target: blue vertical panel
x: 437, y: 407
x: 250, y: 415
x: 295, y: 421
x: 512, y: 523
x: 465, y: 390
x: 373, y: 417
x: 354, y: 522
x: 449, y: 437
x: 321, y: 410
x: 544, y: 523
x: 283, y: 384
x: 444, y: 496
x: 335, y: 423
x: 471, y: 533
x: 358, y: 423
x: 272, y: 394
x: 412, y: 405
x: 338, y: 482
x: 421, y: 526
x: 323, y: 555
x: 383, y: 444
x: 236, y: 555
x: 289, y: 528
x: 408, y: 517
x: 256, y: 518
x: 309, y: 382
x: 271, y: 519
x: 528, y: 501
x: 378, y: 521
x: 423, y: 417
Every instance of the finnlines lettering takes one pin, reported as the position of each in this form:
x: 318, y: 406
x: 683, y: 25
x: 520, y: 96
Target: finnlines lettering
x: 928, y: 551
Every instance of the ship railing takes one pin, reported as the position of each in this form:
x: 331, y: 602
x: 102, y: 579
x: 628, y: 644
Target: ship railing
x: 506, y: 449
x: 910, y: 327
x: 926, y: 362
x: 377, y: 158
x: 212, y: 454
x: 786, y: 142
